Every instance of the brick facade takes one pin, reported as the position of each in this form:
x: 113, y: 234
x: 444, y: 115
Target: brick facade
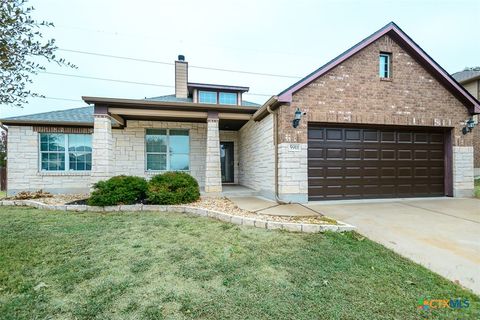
x: 352, y: 92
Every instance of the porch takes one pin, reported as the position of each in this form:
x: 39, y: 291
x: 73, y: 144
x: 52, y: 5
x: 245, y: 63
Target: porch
x: 145, y: 138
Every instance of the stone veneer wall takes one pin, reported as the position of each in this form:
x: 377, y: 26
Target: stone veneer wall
x: 23, y: 172
x: 293, y: 172
x: 232, y: 136
x: 462, y: 171
x: 102, y: 149
x: 213, y: 175
x: 257, y: 157
x: 129, y: 147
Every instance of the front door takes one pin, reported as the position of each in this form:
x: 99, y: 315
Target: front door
x: 226, y: 161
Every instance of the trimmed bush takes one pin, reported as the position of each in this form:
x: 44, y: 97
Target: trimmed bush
x: 172, y: 188
x: 118, y: 190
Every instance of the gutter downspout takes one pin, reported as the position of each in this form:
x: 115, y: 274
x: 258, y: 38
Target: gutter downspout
x: 275, y: 145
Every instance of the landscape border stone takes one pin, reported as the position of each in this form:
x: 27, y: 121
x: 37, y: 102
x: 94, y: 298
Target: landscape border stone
x: 222, y: 216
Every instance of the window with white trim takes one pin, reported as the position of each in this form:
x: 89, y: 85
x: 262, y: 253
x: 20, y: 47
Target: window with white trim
x: 65, y: 152
x: 167, y: 149
x: 207, y: 97
x: 384, y: 65
x: 227, y: 98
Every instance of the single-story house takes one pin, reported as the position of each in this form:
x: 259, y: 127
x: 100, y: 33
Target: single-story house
x: 470, y: 79
x: 381, y: 120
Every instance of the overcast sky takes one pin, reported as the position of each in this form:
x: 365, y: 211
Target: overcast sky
x: 290, y: 38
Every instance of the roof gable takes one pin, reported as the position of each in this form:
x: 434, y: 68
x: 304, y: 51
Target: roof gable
x: 409, y: 45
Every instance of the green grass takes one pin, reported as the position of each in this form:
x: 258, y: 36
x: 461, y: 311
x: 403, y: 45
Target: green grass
x: 66, y: 265
x: 3, y: 194
x: 477, y: 188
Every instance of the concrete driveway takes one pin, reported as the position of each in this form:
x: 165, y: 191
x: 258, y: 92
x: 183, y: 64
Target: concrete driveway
x: 441, y: 234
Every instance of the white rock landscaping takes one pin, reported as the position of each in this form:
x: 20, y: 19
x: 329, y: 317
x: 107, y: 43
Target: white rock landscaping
x: 258, y: 222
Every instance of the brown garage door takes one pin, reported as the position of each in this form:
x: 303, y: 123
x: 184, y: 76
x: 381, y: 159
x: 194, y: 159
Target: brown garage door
x: 358, y: 163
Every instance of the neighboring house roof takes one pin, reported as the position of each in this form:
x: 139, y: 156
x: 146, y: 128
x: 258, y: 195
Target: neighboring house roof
x: 467, y: 75
x: 414, y: 49
x: 173, y: 98
x: 77, y: 116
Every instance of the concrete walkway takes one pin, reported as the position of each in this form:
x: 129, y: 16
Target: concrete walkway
x: 269, y: 207
x: 441, y: 234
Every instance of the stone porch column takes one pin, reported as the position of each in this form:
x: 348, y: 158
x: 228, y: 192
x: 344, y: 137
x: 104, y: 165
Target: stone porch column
x: 102, y: 145
x: 213, y: 175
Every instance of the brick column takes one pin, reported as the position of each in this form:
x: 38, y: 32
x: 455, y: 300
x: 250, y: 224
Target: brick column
x: 102, y: 145
x: 213, y: 175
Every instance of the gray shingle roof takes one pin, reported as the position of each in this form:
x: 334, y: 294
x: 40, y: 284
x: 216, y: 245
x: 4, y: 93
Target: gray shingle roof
x: 76, y: 115
x: 172, y: 98
x: 467, y: 74
x: 84, y: 115
x: 169, y: 98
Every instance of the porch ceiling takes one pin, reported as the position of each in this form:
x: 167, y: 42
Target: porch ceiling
x: 227, y: 121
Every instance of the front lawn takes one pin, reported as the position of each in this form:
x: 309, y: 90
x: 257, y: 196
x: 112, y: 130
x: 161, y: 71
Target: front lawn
x: 154, y: 265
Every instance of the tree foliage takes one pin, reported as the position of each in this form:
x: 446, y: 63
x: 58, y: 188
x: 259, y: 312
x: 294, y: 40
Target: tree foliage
x: 21, y: 44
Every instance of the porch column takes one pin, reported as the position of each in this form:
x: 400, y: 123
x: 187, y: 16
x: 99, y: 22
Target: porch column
x: 213, y: 175
x: 102, y: 153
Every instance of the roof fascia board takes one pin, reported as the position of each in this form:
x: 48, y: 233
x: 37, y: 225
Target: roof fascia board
x: 190, y: 106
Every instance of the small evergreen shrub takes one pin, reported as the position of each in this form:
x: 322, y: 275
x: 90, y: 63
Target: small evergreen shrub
x: 118, y: 190
x: 172, y: 188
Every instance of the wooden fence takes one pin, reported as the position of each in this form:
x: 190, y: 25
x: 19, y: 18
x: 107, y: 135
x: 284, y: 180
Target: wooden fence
x: 3, y: 178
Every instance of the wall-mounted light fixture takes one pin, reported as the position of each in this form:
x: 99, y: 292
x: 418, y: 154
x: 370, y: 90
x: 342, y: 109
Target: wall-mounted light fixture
x: 297, y: 117
x: 469, y: 125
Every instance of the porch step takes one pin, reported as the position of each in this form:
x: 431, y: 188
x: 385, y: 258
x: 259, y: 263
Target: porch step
x: 240, y: 193
x: 236, y: 190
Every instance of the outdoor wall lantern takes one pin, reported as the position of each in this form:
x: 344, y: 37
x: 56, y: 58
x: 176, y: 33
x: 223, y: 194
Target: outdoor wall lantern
x: 469, y: 125
x: 298, y: 116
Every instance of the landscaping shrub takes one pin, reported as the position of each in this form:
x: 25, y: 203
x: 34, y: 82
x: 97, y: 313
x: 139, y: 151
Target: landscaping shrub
x: 118, y: 190
x: 172, y: 188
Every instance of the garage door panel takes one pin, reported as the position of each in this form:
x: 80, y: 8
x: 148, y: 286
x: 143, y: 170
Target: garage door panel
x: 351, y: 163
x: 315, y: 152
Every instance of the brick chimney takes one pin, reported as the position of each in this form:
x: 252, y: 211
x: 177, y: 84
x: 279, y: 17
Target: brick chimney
x: 181, y: 77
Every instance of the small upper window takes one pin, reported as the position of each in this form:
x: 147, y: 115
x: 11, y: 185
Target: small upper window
x: 384, y: 70
x: 227, y: 98
x: 207, y: 97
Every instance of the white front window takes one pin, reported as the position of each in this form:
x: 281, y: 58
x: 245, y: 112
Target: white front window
x: 167, y: 149
x: 65, y: 152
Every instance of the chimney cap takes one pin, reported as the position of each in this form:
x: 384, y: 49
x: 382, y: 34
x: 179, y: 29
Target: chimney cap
x: 181, y: 57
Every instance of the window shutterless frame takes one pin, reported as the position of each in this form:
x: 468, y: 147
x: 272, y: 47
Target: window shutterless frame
x: 218, y: 93
x: 66, y: 153
x: 385, y: 60
x: 168, y: 153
